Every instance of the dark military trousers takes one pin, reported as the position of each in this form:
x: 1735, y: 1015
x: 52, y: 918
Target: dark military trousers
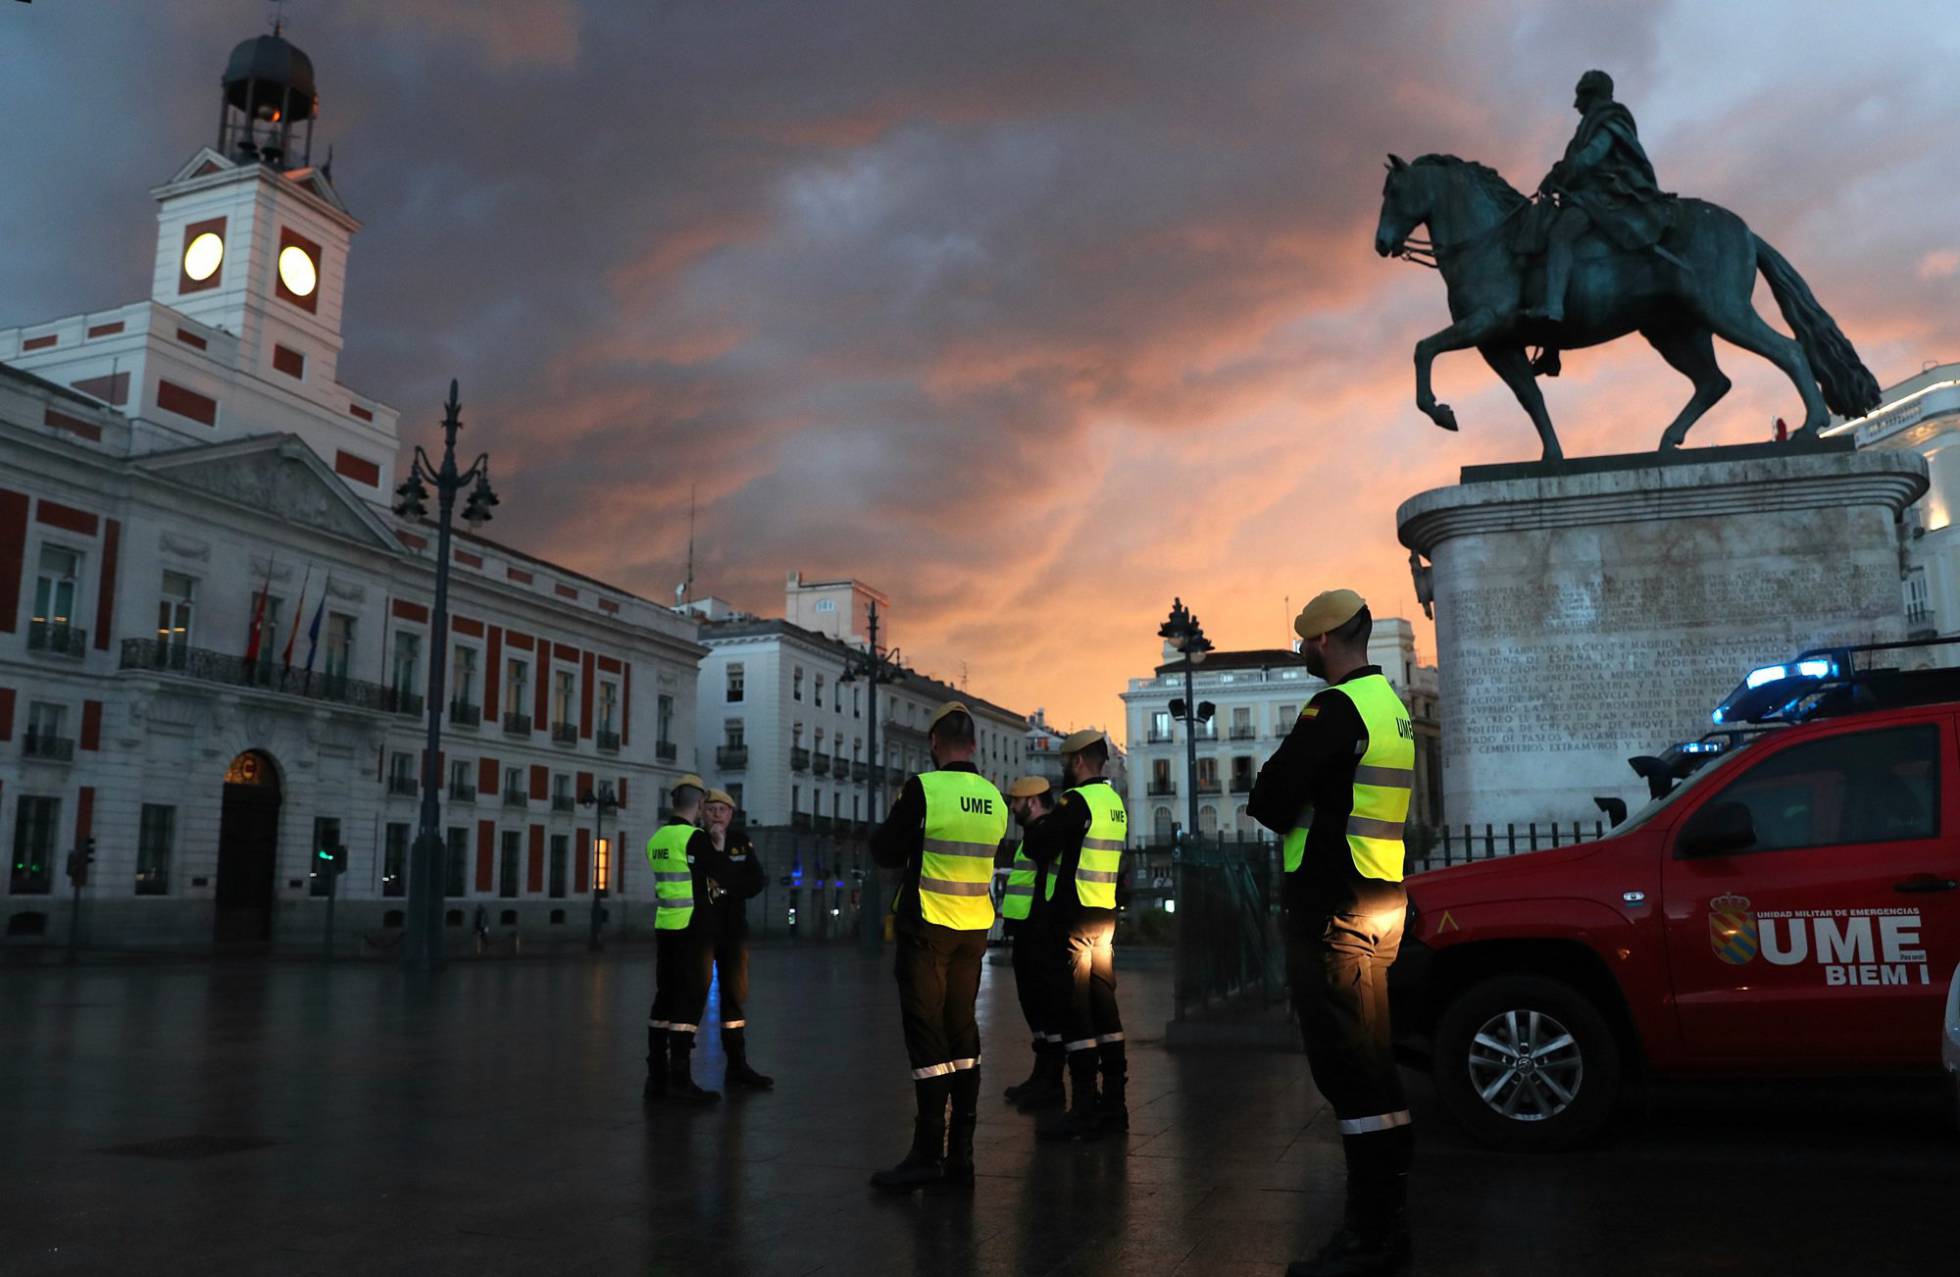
x: 1337, y: 965
x: 1033, y: 953
x: 1087, y: 986
x: 938, y: 971
x: 682, y: 968
x: 731, y: 960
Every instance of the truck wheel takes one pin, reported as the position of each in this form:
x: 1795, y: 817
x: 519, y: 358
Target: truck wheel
x: 1528, y: 1063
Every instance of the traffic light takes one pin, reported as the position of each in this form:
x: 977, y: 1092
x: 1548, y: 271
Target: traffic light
x: 79, y: 861
x: 330, y: 859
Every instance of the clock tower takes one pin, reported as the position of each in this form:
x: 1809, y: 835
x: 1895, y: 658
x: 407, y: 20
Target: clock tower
x: 252, y: 238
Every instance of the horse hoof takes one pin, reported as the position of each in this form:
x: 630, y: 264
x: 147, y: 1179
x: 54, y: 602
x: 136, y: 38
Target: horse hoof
x: 1443, y: 417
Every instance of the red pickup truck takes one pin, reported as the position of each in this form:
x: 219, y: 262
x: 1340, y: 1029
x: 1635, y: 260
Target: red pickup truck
x: 1789, y: 907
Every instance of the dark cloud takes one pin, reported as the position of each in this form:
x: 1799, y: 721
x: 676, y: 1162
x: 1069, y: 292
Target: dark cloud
x: 1033, y: 314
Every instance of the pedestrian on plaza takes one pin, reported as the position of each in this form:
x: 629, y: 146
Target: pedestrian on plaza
x: 1080, y: 845
x: 942, y: 834
x: 1337, y: 792
x: 731, y: 936
x: 684, y: 860
x: 1025, y: 915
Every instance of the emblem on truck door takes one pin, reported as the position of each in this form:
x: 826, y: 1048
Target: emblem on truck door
x: 1732, y: 929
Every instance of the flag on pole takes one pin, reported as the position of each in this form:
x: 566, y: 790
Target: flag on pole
x: 286, y: 658
x: 258, y: 618
x: 313, y: 630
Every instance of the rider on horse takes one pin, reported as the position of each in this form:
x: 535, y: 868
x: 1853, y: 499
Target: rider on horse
x: 1605, y: 180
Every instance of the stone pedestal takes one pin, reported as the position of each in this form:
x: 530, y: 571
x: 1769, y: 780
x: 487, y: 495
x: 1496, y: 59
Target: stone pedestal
x: 1591, y: 610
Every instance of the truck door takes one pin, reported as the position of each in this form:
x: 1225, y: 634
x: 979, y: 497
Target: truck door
x: 1821, y: 940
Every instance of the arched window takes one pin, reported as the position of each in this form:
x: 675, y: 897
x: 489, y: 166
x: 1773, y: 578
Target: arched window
x: 1242, y: 823
x: 1161, y: 825
x: 1208, y: 820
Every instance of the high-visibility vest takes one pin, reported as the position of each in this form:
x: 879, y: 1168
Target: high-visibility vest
x: 966, y: 818
x: 1019, y: 897
x: 1101, y: 860
x: 1384, y: 780
x: 673, y: 877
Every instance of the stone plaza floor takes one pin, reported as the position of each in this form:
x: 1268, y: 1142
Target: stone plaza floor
x: 282, y: 1117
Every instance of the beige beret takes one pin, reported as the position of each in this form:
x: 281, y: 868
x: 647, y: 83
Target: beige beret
x: 1028, y: 787
x: 720, y: 796
x: 1329, y: 610
x: 950, y: 707
x: 1079, y: 741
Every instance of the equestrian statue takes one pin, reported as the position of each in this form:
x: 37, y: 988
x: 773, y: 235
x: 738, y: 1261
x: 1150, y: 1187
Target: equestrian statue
x: 1602, y: 252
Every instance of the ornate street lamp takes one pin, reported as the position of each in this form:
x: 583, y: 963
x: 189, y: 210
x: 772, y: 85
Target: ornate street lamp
x: 605, y: 801
x: 422, y: 937
x: 874, y: 667
x: 1184, y: 635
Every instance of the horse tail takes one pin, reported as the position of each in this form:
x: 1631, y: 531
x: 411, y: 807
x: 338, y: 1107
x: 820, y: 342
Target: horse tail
x: 1849, y: 388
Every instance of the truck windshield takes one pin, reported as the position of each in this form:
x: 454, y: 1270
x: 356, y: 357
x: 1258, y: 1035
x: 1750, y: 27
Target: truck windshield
x: 1693, y: 782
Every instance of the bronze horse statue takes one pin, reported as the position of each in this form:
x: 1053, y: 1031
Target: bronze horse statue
x: 1695, y: 288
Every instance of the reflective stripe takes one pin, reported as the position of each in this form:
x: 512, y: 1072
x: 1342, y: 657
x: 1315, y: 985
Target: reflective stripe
x: 1103, y: 844
x: 931, y: 1070
x: 1021, y: 889
x: 684, y: 1028
x: 973, y: 1063
x: 658, y: 1024
x: 673, y: 877
x: 1380, y: 1122
x: 687, y: 904
x: 1388, y: 777
x: 734, y: 1024
x: 1107, y: 1038
x: 1051, y: 1037
x: 947, y: 887
x: 1363, y: 827
x: 947, y: 847
x: 1084, y: 1045
x: 1095, y: 875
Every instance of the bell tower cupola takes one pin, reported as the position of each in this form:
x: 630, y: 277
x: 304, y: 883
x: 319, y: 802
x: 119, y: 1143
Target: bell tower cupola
x: 268, y: 104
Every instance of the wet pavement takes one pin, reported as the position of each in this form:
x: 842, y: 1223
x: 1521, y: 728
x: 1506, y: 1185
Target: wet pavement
x: 289, y: 1118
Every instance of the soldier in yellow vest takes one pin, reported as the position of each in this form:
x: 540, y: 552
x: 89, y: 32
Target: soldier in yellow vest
x: 684, y: 859
x: 1337, y: 792
x: 1081, y: 845
x: 942, y: 835
x: 1025, y: 916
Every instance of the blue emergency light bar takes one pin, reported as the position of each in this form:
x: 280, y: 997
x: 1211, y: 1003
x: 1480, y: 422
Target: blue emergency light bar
x: 1772, y: 691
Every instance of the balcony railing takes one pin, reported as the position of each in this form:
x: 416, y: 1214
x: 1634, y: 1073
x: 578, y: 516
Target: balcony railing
x: 608, y: 742
x: 665, y: 750
x: 1207, y: 786
x: 464, y: 714
x: 1243, y: 733
x: 403, y: 701
x: 821, y: 765
x: 57, y: 639
x: 1161, y: 788
x: 824, y: 824
x: 1157, y: 738
x: 516, y: 798
x: 731, y: 758
x: 517, y: 724
x: 799, y: 820
x: 799, y: 760
x: 404, y: 786
x: 206, y: 666
x: 860, y: 772
x: 563, y: 802
x: 49, y: 749
x: 1241, y: 784
x: 463, y: 793
x: 564, y: 733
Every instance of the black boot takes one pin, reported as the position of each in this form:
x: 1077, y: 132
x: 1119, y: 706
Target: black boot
x: 1350, y: 1254
x: 1375, y: 1237
x: 959, y: 1136
x: 734, y: 1044
x: 1112, y: 1109
x: 1015, y: 1091
x: 1046, y: 1091
x: 680, y: 1076
x: 922, y: 1165
x: 656, y: 1087
x: 1079, y: 1122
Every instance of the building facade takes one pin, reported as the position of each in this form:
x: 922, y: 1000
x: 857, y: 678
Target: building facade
x: 1922, y: 414
x: 215, y: 634
x: 1257, y: 696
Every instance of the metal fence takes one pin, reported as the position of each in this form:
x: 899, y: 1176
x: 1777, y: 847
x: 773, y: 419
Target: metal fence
x: 1229, y: 952
x: 1437, y: 848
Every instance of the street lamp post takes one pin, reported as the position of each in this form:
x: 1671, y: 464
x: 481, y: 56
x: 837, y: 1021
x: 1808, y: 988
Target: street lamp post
x: 1182, y: 631
x: 874, y: 667
x: 422, y: 937
x: 603, y: 800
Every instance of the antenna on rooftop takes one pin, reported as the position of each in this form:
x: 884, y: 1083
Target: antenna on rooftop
x: 688, y: 587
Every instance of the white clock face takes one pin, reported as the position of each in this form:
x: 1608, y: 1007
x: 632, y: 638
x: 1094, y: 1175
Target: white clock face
x: 297, y: 272
x: 202, y: 256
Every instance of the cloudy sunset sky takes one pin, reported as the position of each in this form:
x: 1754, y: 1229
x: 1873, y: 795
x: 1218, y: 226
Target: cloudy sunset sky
x: 1032, y: 315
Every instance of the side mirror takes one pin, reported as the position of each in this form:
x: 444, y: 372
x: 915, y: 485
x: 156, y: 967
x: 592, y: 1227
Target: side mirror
x: 1721, y: 828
